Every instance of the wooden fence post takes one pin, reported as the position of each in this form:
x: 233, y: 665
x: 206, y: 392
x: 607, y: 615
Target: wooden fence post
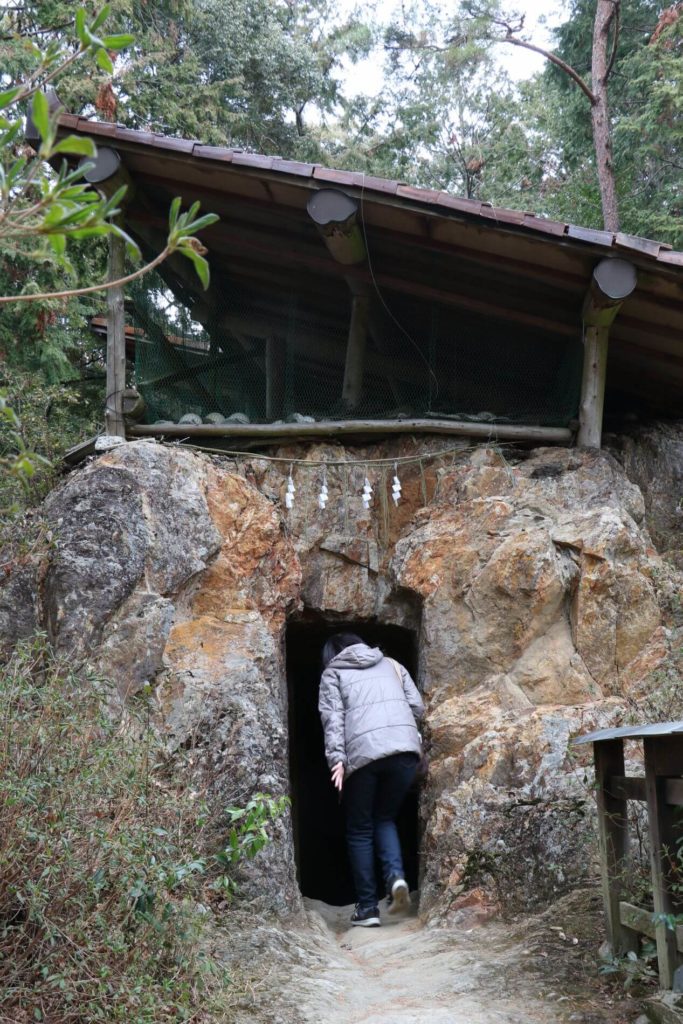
x: 613, y: 832
x: 662, y: 847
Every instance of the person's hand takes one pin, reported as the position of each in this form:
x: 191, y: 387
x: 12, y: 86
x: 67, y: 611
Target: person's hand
x: 338, y: 776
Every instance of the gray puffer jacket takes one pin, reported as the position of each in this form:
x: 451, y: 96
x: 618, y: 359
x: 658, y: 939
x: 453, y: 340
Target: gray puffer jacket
x: 367, y: 711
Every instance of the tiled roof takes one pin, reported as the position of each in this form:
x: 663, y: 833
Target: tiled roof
x: 619, y: 242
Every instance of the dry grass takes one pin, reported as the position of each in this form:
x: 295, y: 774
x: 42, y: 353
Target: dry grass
x: 99, y: 874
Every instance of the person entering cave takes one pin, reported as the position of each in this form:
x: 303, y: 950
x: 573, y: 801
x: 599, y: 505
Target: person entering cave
x: 370, y: 709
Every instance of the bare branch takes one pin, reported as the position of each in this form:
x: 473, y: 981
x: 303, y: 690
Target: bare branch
x: 552, y: 57
x: 69, y: 293
x: 36, y: 32
x: 615, y: 41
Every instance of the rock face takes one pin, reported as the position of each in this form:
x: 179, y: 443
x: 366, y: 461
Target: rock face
x: 539, y: 605
x: 540, y: 602
x: 171, y: 572
x: 653, y: 457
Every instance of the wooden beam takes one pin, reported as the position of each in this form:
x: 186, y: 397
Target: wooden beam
x: 335, y: 215
x: 641, y: 921
x: 612, y: 281
x: 246, y: 243
x: 632, y: 788
x: 516, y: 232
x: 234, y: 205
x: 333, y: 428
x: 355, y: 352
x: 627, y: 787
x: 116, y: 341
x: 613, y: 833
x: 668, y: 756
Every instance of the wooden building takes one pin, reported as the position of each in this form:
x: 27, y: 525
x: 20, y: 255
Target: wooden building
x: 342, y: 303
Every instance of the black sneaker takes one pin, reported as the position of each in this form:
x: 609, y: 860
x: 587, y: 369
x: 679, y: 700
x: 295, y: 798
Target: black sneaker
x: 365, y: 918
x: 399, y: 895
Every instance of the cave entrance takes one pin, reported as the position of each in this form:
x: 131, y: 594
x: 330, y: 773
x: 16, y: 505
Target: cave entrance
x: 320, y: 849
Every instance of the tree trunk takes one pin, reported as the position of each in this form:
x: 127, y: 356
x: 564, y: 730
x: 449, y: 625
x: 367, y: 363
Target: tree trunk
x: 605, y: 15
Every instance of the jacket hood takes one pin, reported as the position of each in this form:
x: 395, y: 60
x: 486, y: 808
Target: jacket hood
x: 357, y: 656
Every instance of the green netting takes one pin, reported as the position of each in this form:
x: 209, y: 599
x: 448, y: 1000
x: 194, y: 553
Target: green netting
x: 271, y: 356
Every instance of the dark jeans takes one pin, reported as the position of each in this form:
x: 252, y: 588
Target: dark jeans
x: 373, y: 796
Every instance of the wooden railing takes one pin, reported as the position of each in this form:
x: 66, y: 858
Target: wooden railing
x: 661, y: 789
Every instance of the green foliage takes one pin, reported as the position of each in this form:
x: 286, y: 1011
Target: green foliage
x: 40, y: 422
x: 648, y: 138
x: 103, y: 858
x: 638, y: 973
x: 238, y: 72
x: 45, y: 213
x: 645, y: 109
x: 36, y: 206
x: 248, y: 834
x: 451, y: 119
x: 268, y: 75
x: 18, y: 462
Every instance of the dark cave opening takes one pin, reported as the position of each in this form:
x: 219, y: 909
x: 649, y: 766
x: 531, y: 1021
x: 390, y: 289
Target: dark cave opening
x: 318, y: 816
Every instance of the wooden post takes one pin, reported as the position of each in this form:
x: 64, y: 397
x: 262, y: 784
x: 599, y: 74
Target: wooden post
x: 595, y: 345
x: 107, y: 174
x: 116, y: 341
x: 613, y: 280
x: 613, y: 832
x: 662, y: 846
x: 275, y: 377
x: 355, y: 352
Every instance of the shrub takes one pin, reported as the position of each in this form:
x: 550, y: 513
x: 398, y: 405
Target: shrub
x: 41, y: 421
x: 100, y: 879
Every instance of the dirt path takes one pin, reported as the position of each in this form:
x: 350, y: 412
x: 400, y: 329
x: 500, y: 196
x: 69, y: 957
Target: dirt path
x: 403, y: 973
x: 540, y: 969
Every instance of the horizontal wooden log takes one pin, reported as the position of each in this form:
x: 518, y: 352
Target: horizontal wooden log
x: 626, y: 787
x: 632, y: 788
x: 329, y: 428
x: 639, y: 920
